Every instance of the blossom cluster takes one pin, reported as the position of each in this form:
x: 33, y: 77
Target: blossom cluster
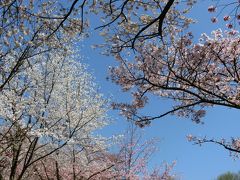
x: 228, y: 11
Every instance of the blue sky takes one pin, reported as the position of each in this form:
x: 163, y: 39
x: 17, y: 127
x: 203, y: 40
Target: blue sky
x: 193, y: 162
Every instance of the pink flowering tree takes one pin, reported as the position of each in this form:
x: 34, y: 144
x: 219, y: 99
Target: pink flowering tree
x: 74, y: 162
x: 192, y: 75
x: 134, y: 155
x: 128, y: 24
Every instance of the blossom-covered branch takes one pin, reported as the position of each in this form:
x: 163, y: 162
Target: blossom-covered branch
x: 192, y: 75
x: 232, y: 146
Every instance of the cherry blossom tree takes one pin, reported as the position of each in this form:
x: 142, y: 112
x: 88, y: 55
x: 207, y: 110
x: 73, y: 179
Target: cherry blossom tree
x: 75, y: 164
x: 48, y: 101
x: 128, y: 24
x: 192, y: 75
x: 129, y: 162
x: 50, y: 105
x: 134, y: 155
x: 30, y: 28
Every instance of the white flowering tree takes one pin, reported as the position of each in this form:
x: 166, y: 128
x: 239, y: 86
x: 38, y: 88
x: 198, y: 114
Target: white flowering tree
x: 29, y: 28
x: 49, y: 106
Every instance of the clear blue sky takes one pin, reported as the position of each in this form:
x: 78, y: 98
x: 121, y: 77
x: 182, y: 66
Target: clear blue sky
x: 193, y: 162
